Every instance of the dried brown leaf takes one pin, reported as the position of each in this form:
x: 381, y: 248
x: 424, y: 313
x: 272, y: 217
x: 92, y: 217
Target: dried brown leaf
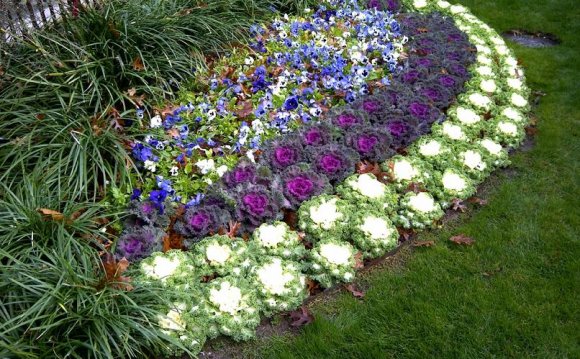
x: 462, y: 239
x: 354, y: 291
x: 423, y: 244
x: 301, y: 317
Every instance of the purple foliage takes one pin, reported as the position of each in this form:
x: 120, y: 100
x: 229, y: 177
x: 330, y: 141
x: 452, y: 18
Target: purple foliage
x: 300, y: 183
x: 346, y: 117
x: 201, y: 220
x: 139, y: 242
x: 283, y: 152
x: 334, y: 161
x: 255, y: 205
x: 372, y: 144
x: 316, y: 135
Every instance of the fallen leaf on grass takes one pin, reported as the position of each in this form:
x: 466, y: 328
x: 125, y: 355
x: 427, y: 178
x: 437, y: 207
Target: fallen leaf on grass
x: 477, y: 200
x: 531, y: 131
x: 424, y: 244
x: 301, y: 317
x: 313, y: 286
x: 245, y: 110
x: 462, y: 239
x: 354, y: 291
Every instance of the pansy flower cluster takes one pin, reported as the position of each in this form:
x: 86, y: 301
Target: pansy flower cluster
x: 290, y: 74
x: 307, y: 177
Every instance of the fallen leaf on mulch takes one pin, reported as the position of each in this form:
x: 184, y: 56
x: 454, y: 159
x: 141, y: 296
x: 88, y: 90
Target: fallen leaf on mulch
x: 462, y: 239
x: 531, y: 131
x: 359, y: 261
x: 458, y: 205
x: 423, y: 244
x: 301, y: 317
x: 354, y: 291
x: 405, y: 233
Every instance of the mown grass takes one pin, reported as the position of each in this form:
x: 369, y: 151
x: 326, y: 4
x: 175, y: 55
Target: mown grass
x: 515, y: 293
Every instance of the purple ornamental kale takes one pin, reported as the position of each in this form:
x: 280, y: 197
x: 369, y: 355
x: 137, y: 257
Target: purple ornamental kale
x: 244, y: 172
x: 405, y: 129
x: 255, y: 205
x: 316, y: 135
x: 300, y: 183
x: 148, y: 213
x: 372, y: 144
x: 438, y: 95
x: 138, y: 243
x: 283, y: 152
x: 423, y: 111
x: 335, y: 161
x: 345, y: 117
x: 199, y: 221
x: 373, y: 106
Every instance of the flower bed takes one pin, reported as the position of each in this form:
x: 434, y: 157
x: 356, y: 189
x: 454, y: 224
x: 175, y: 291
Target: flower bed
x: 342, y: 169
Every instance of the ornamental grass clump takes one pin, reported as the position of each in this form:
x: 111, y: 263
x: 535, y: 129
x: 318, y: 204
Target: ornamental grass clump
x: 277, y: 239
x: 221, y: 255
x: 331, y: 262
x: 280, y: 284
x: 366, y: 192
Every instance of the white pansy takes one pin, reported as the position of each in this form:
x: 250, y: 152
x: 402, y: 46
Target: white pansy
x: 335, y: 253
x: 156, y: 121
x: 473, y: 160
x: 150, y: 165
x: 404, y: 170
x: 368, y: 186
x: 516, y: 84
x: 221, y: 170
x: 273, y: 277
x: 376, y: 228
x: 518, y: 100
x: 227, y: 298
x: 161, y: 268
x: 509, y: 128
x: 484, y: 70
x: 418, y: 4
x: 479, y: 100
x: 422, y: 202
x: 271, y: 235
x: 174, y: 171
x: 217, y: 253
x: 492, y: 147
x: 326, y: 214
x: 512, y: 114
x: 205, y: 165
x: 467, y: 116
x: 431, y: 148
x: 452, y: 131
x: 453, y: 182
x: 488, y: 86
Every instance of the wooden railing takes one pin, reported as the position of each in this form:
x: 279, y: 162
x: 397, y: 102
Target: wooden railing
x: 18, y: 17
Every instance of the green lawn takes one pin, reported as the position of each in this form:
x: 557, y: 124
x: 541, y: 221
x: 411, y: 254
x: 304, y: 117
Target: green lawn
x: 515, y: 292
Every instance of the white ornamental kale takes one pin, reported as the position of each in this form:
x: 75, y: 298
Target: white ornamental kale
x: 405, y: 170
x: 233, y: 308
x: 373, y: 233
x: 173, y: 268
x: 280, y: 284
x: 365, y: 191
x: 331, y: 262
x: 418, y: 211
x: 186, y: 322
x: 221, y: 255
x: 277, y: 239
x: 324, y: 216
